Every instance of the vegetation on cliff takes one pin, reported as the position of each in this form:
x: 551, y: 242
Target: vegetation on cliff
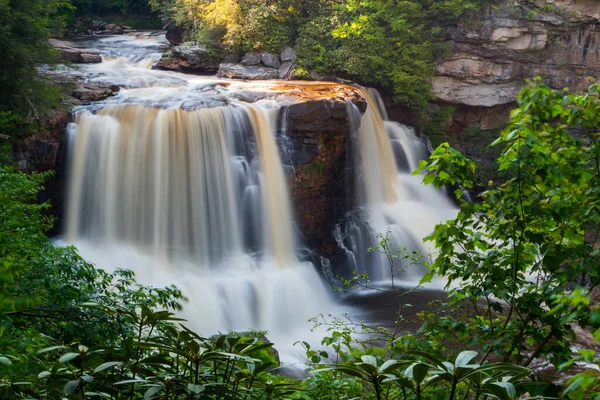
x: 388, y: 44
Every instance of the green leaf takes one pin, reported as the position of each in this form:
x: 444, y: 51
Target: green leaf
x: 152, y: 391
x: 65, y: 358
x: 417, y: 371
x: 196, y: 389
x: 71, y: 387
x: 5, y: 361
x: 389, y: 365
x: 106, y: 365
x: 125, y: 382
x: 465, y: 358
x: 48, y: 349
x: 369, y: 360
x: 44, y: 374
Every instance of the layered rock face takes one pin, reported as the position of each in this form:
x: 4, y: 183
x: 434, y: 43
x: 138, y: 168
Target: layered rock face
x: 72, y: 54
x: 323, y: 181
x: 491, y: 60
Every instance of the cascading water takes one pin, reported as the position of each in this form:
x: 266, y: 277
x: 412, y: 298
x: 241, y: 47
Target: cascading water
x: 392, y: 202
x: 182, y: 179
x: 178, y: 180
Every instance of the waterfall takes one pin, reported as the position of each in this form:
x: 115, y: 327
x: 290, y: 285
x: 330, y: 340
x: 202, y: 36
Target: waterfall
x: 182, y: 179
x: 391, y: 201
x: 197, y: 198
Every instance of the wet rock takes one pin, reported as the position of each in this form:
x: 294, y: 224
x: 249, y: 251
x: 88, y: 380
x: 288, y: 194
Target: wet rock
x: 90, y: 58
x: 285, y: 70
x: 189, y: 59
x: 288, y: 54
x: 321, y: 135
x: 270, y: 60
x: 251, y: 58
x: 72, y: 54
x: 41, y: 154
x: 317, y: 115
x: 254, y: 72
x: 90, y: 92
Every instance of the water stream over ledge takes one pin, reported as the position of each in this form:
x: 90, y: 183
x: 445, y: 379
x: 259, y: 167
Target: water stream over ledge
x: 182, y: 179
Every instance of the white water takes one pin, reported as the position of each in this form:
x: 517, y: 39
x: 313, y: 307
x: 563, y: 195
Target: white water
x: 181, y: 181
x: 393, y: 202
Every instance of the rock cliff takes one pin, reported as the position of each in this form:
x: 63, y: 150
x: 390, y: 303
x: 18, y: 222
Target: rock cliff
x: 493, y: 55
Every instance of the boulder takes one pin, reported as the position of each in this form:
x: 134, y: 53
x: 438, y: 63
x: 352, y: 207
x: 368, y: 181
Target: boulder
x: 90, y: 58
x: 253, y: 72
x: 193, y: 54
x: 90, y: 92
x: 270, y: 60
x: 70, y: 54
x: 287, y: 54
x: 174, y: 32
x: 98, y: 25
x: 251, y: 58
x: 189, y: 59
x: 286, y: 69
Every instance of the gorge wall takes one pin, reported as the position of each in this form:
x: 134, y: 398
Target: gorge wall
x: 493, y: 54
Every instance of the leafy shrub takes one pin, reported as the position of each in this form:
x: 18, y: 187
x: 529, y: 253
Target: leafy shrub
x: 512, y: 256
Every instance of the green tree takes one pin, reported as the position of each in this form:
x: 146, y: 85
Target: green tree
x: 513, y: 255
x: 25, y: 27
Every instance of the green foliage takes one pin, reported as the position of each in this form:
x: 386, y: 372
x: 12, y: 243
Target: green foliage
x: 102, y: 7
x: 238, y: 25
x: 510, y: 256
x: 388, y: 44
x: 438, y: 120
x: 11, y: 124
x: 26, y: 26
x: 152, y: 358
x: 22, y: 226
x: 424, y: 376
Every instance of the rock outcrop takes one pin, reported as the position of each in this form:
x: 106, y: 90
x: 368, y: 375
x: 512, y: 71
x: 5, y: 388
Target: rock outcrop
x: 249, y: 72
x: 490, y: 61
x: 191, y: 59
x: 259, y: 66
x: 323, y: 175
x: 76, y: 55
